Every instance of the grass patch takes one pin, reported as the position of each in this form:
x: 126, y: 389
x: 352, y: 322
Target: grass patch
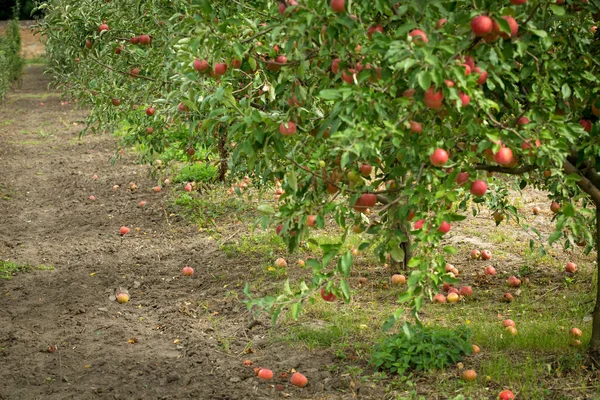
x: 198, y: 172
x: 213, y: 209
x: 9, y: 269
x: 36, y: 61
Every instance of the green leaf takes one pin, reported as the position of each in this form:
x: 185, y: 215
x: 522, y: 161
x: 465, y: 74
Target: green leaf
x: 557, y: 10
x: 554, y: 237
x: 296, y: 308
x: 450, y: 250
x: 266, y: 209
x: 397, y: 253
x: 345, y: 289
x: 330, y: 94
x: 566, y: 91
x: 292, y: 181
x: 346, y: 263
x: 539, y: 33
x: 424, y: 79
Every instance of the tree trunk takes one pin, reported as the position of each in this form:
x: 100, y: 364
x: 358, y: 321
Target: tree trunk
x: 223, y: 167
x: 595, y: 341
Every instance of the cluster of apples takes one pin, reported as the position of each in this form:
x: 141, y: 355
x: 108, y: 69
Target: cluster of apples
x: 481, y: 255
x: 575, y: 334
x: 297, y: 379
x: 242, y: 185
x: 510, y: 326
x: 454, y: 294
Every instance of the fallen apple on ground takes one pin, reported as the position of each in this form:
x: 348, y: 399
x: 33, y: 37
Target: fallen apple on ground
x: 299, y: 380
x: 280, y: 263
x: 265, y: 374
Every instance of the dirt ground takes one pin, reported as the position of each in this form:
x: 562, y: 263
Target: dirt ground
x: 191, y: 335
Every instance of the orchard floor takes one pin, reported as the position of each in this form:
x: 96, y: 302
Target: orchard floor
x: 62, y: 336
x: 79, y: 259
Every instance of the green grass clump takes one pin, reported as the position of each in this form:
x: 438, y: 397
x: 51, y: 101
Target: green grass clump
x: 200, y: 172
x: 9, y: 269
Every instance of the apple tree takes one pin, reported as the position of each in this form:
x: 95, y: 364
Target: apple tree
x: 389, y: 118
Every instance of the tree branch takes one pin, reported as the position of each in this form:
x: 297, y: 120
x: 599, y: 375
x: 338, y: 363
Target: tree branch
x: 584, y: 183
x: 506, y: 170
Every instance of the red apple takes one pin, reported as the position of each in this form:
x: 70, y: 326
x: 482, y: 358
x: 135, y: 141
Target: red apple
x: 439, y: 298
x: 265, y: 374
x: 440, y: 23
x: 298, y: 380
x: 398, y: 279
x: 145, y: 39
x: 482, y: 75
x: 444, y: 227
x: 187, y: 187
x: 453, y: 290
x: 134, y: 40
x: 338, y: 6
x: 513, y: 281
x: 373, y: 29
x: 508, y: 322
x: 201, y: 65
x: 489, y: 270
x: 365, y: 201
x: 469, y: 375
x: 124, y: 230
x: 142, y: 203
x: 187, y: 271
x: 576, y: 332
x: 102, y: 28
x: 288, y: 130
x: 571, y: 267
x: 475, y: 254
x: 280, y: 263
x: 365, y: 169
x: 466, y: 291
x: 419, y: 37
x: 507, y: 298
x: 415, y: 127
x: 439, y: 157
x: 311, y: 220
x: 504, y: 156
x: 506, y: 395
x: 481, y: 25
x: 555, y: 207
x: 335, y: 65
x: 327, y: 296
x: 536, y: 210
x: 419, y: 224
x: 478, y: 188
x: 116, y: 102
x: 236, y: 63
x: 517, y: 2
x: 486, y: 255
x: 464, y: 98
x: 523, y: 121
x: 220, y: 69
x: 433, y: 99
x: 514, y: 27
x: 150, y: 111
x: 586, y: 124
x: 462, y: 178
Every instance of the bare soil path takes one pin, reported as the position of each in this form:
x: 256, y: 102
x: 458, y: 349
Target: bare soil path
x: 191, y: 335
